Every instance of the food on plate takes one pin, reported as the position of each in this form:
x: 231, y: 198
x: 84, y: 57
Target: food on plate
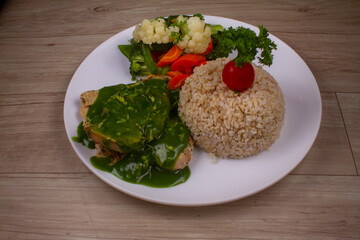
x: 238, y: 74
x: 180, y: 43
x: 136, y: 128
x: 227, y: 123
x: 186, y: 89
x: 158, y: 43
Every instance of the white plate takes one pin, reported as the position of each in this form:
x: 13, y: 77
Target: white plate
x: 228, y: 179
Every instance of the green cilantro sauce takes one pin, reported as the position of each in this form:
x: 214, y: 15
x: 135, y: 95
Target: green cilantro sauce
x: 130, y: 115
x: 83, y: 138
x: 142, y: 119
x: 138, y: 168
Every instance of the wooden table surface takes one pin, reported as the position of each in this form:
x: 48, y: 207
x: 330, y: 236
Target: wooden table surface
x: 47, y: 193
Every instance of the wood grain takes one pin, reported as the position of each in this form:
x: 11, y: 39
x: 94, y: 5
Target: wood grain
x: 63, y: 206
x: 66, y: 18
x: 323, y: 53
x: 350, y: 108
x: 43, y: 65
x: 39, y: 133
x: 331, y: 144
x: 47, y: 193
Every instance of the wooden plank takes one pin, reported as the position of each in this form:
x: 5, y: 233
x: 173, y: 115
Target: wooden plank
x: 44, y: 207
x: 332, y: 58
x: 80, y: 206
x: 93, y: 17
x: 350, y: 108
x: 331, y: 144
x: 42, y: 65
x: 33, y: 136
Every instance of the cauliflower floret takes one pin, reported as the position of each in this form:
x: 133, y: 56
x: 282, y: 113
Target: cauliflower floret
x: 197, y: 38
x: 154, y: 31
x: 195, y: 35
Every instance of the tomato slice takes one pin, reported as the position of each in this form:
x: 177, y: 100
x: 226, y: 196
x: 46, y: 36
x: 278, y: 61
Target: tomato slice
x: 177, y: 81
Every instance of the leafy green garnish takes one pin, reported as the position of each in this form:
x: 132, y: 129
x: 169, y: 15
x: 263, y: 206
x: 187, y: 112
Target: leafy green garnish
x: 245, y: 42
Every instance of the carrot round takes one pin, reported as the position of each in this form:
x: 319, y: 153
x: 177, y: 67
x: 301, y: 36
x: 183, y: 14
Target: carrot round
x: 169, y: 57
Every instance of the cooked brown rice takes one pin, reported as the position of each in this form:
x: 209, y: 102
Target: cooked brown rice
x: 230, y: 124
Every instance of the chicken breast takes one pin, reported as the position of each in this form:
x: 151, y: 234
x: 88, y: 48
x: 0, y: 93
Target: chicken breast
x: 87, y: 99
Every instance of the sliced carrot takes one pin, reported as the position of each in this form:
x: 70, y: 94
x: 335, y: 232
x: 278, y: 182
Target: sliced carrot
x: 173, y: 54
x: 174, y: 73
x: 209, y: 48
x: 177, y: 81
x: 188, y: 61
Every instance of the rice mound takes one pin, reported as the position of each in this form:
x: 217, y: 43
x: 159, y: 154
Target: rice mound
x: 227, y: 123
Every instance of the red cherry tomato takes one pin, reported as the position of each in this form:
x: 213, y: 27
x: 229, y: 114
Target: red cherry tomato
x: 238, y: 78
